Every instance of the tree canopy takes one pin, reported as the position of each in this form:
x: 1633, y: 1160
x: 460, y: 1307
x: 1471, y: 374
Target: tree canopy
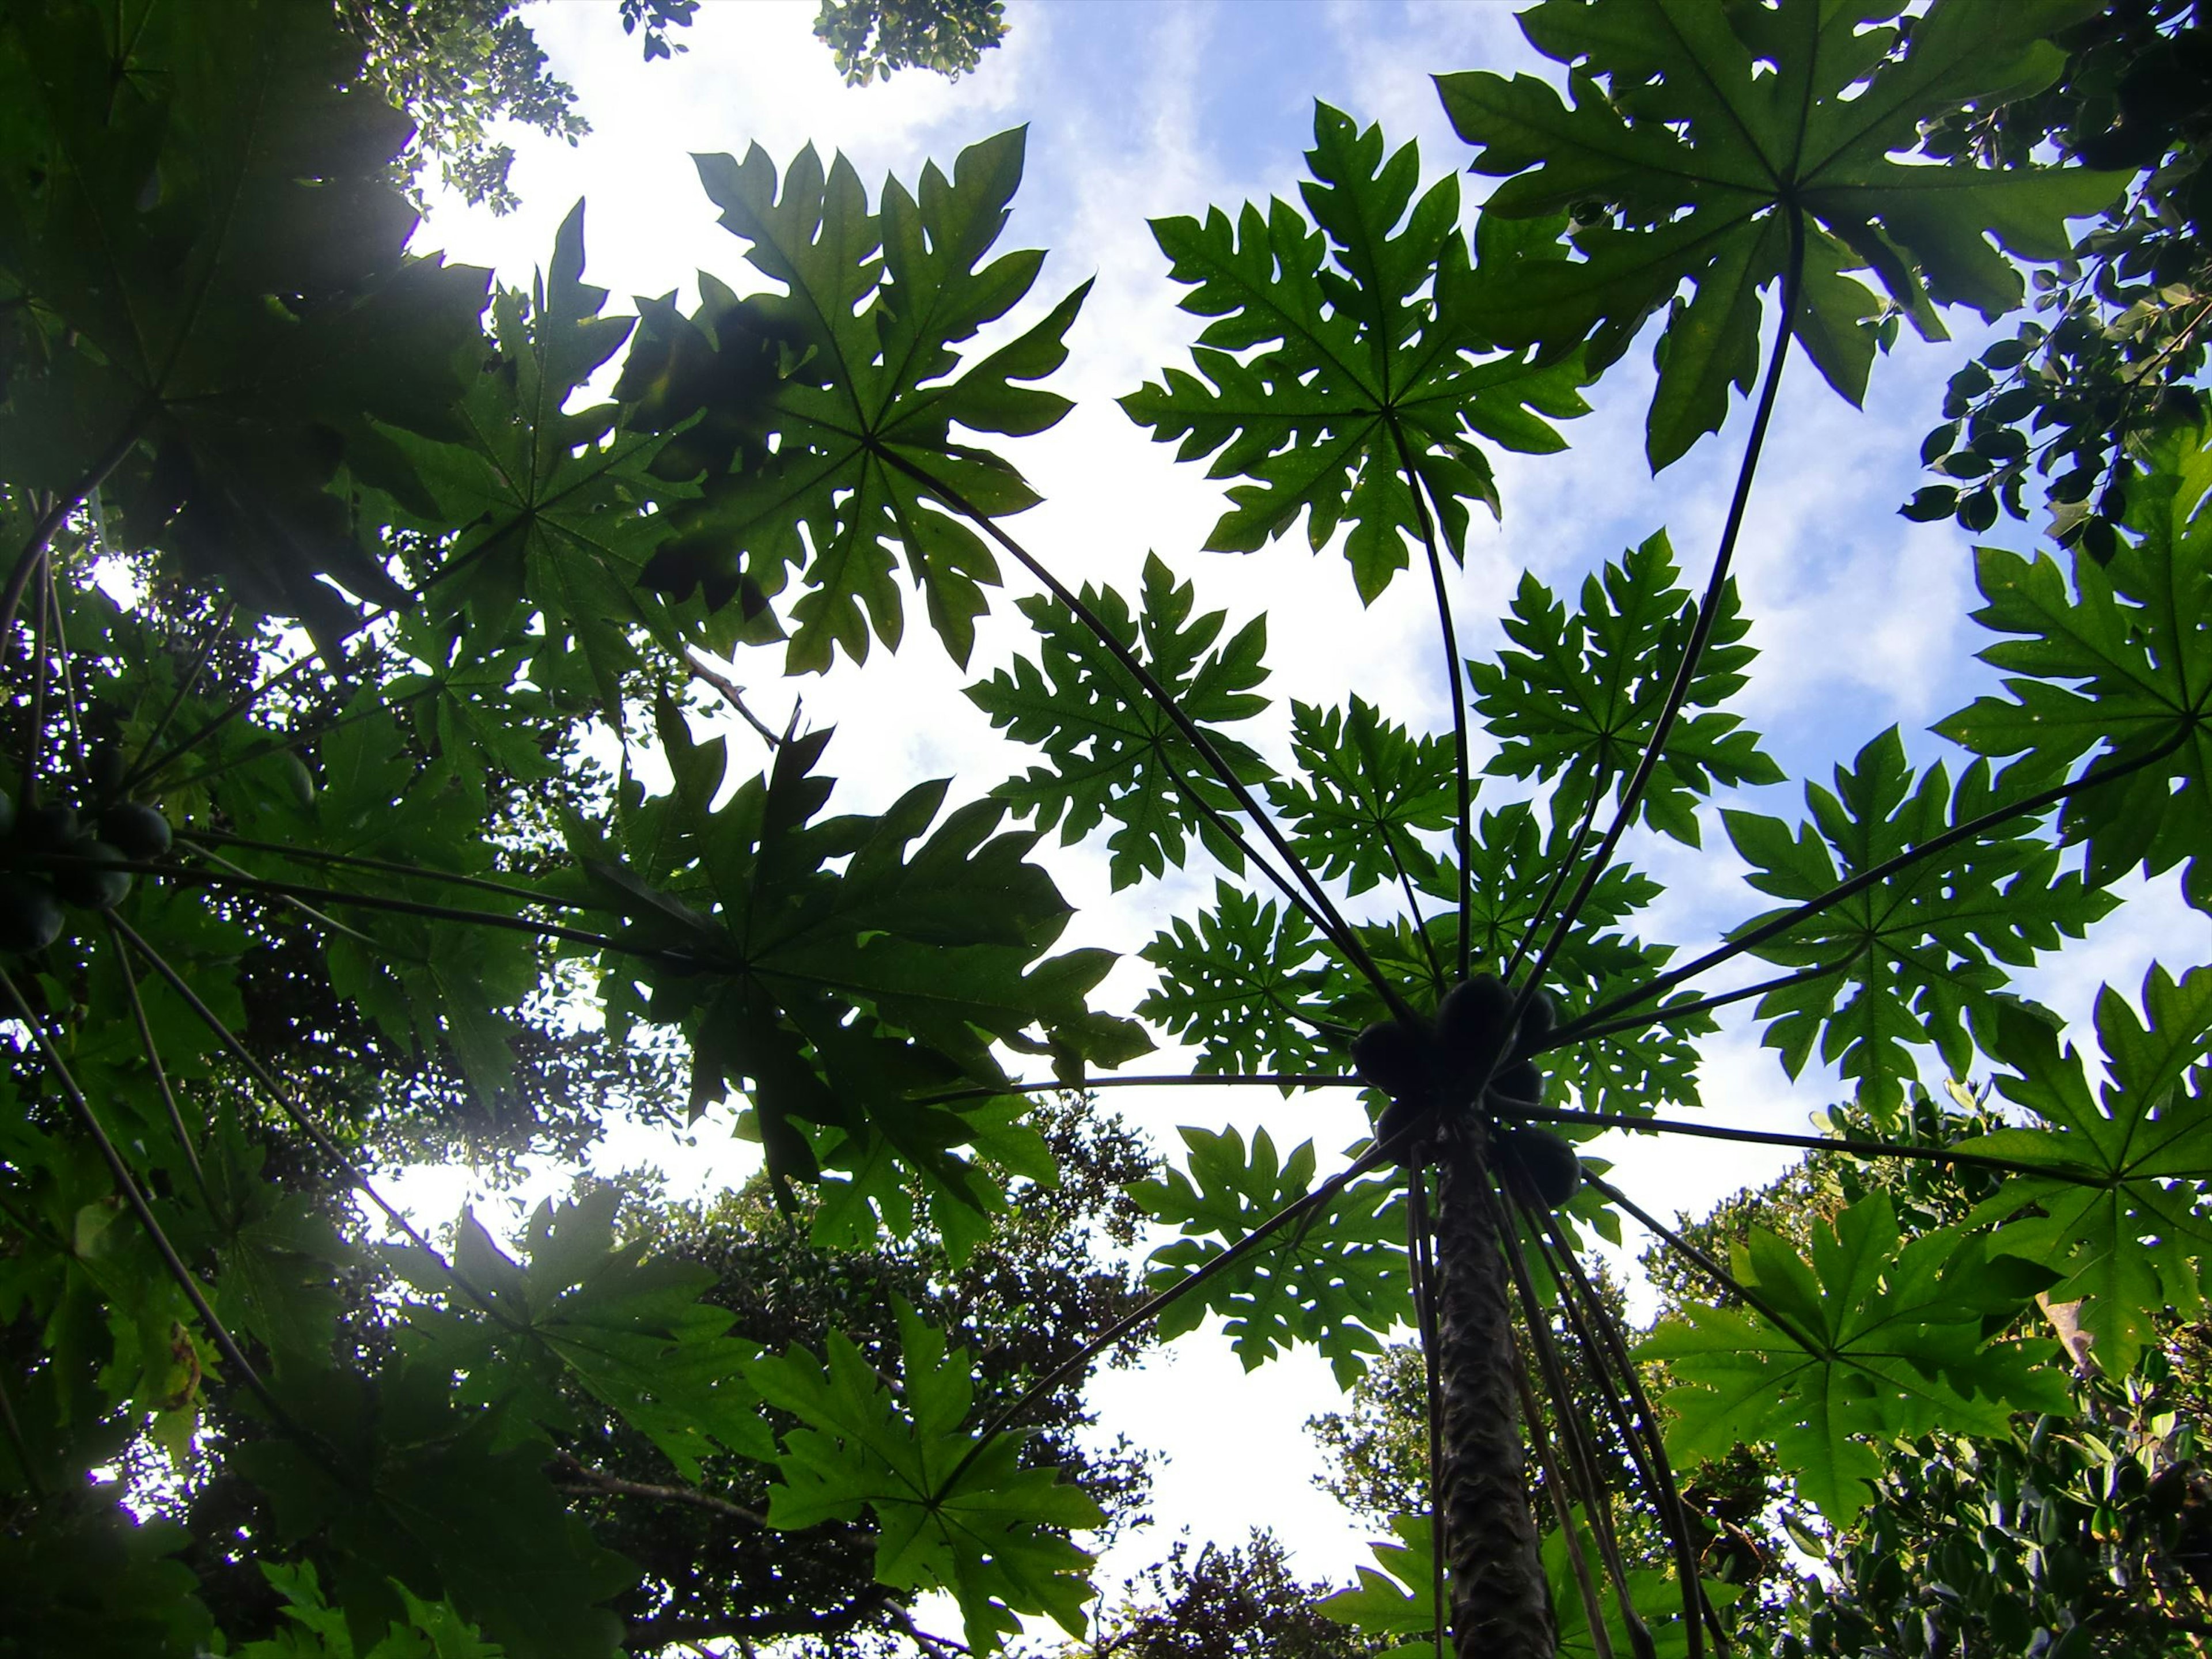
x: 379, y: 786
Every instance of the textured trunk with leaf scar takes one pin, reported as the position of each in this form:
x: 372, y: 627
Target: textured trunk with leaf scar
x: 1499, y: 1606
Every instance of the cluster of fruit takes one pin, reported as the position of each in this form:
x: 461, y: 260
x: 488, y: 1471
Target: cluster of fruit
x: 1473, y: 1054
x: 51, y: 859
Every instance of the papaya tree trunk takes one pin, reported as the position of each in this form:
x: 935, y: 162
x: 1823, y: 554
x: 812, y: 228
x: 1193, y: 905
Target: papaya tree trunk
x: 1500, y: 1609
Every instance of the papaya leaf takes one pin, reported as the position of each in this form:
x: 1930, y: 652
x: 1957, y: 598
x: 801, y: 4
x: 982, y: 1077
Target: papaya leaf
x: 1373, y: 368
x: 319, y: 1630
x: 834, y: 997
x: 413, y: 1493
x: 1581, y: 700
x: 205, y: 227
x: 1923, y: 957
x: 2130, y: 1238
x: 1396, y: 1596
x: 554, y: 500
x: 2122, y: 664
x: 632, y: 1334
x: 1239, y: 983
x: 1700, y: 129
x: 1897, y: 1328
x: 1337, y: 1280
x: 975, y: 1524
x: 865, y: 387
x: 1368, y: 789
x: 1111, y: 750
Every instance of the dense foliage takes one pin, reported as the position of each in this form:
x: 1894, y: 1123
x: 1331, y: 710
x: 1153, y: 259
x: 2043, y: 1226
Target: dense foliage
x: 362, y: 804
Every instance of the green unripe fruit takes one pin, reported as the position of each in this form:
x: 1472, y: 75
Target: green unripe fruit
x: 1393, y: 1058
x: 104, y: 767
x: 1537, y: 1021
x: 1542, y: 1167
x: 48, y: 829
x: 300, y: 778
x: 1520, y: 1083
x: 30, y: 916
x: 87, y: 878
x: 136, y: 830
x: 1397, y: 1131
x: 1472, y: 1020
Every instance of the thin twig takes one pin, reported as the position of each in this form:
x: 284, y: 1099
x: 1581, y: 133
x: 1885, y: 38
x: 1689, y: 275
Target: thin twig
x: 599, y: 1481
x: 732, y: 693
x: 161, y: 1073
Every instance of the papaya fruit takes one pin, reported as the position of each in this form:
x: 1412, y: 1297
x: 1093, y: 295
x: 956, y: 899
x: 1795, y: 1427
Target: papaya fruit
x: 1392, y: 1130
x: 1392, y: 1057
x: 135, y: 829
x: 30, y: 915
x: 86, y: 875
x: 1520, y: 1083
x: 1537, y: 1021
x: 46, y: 828
x: 1541, y: 1165
x: 1473, y: 1019
x: 302, y: 782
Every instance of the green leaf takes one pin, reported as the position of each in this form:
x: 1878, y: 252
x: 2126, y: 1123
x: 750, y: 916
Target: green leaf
x: 864, y: 397
x: 1896, y: 1328
x: 554, y: 500
x: 1112, y: 750
x: 428, y: 1630
x: 1581, y: 700
x: 973, y: 1523
x: 406, y: 1491
x: 632, y: 1334
x: 1396, y: 1597
x: 1368, y: 787
x: 1371, y: 372
x: 205, y: 224
x: 2125, y: 1227
x: 1921, y: 958
x: 2122, y: 664
x: 1701, y: 128
x: 834, y: 997
x: 1338, y: 1281
x: 1240, y: 984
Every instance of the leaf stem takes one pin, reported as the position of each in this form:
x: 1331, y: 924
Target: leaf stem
x: 1973, y: 828
x: 390, y: 867
x: 126, y: 1188
x: 1464, y: 825
x: 1709, y: 609
x: 300, y: 1117
x: 161, y: 1073
x: 1705, y: 1263
x: 35, y: 547
x: 1649, y: 1448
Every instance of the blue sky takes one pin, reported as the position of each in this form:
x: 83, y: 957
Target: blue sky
x: 1136, y: 109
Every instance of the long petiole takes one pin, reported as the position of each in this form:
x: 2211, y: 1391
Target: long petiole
x: 1709, y: 608
x: 1463, y: 747
x: 1660, y: 984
